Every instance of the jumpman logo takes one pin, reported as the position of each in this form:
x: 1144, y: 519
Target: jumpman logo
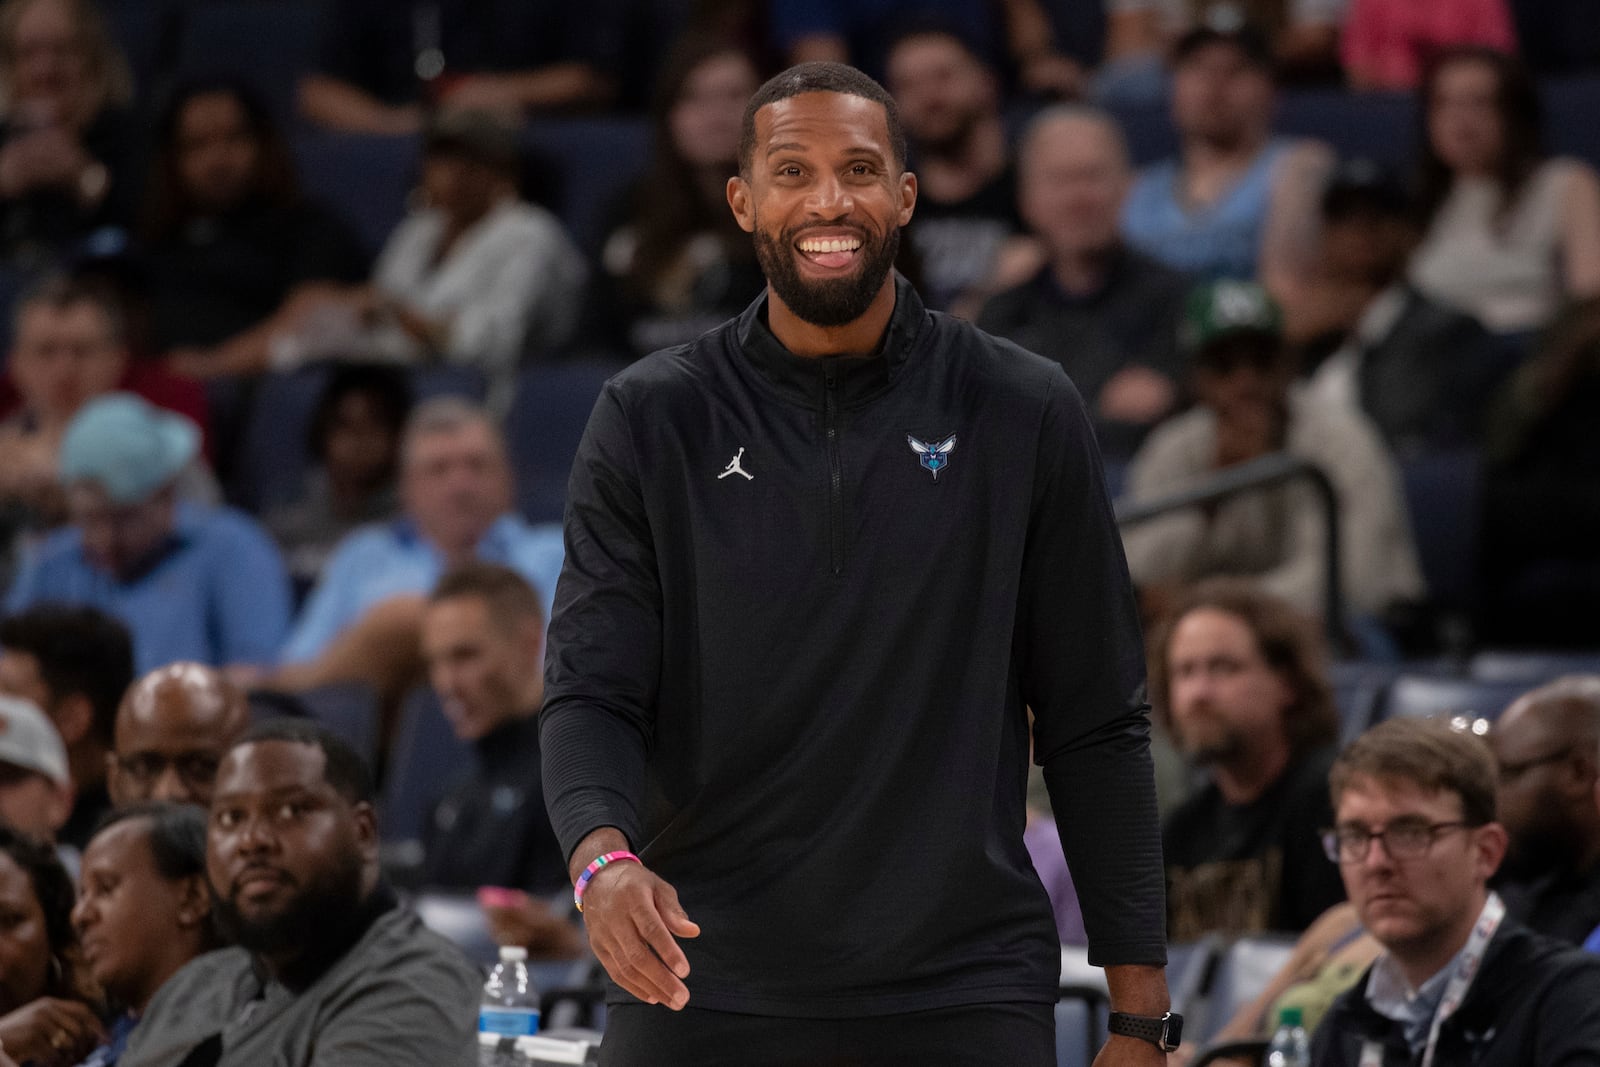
x: 734, y: 467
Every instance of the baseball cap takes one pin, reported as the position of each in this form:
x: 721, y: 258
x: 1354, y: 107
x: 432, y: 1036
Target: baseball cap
x: 129, y: 447
x: 1226, y: 24
x: 1226, y: 308
x: 1364, y: 184
x: 478, y: 135
x: 29, y: 740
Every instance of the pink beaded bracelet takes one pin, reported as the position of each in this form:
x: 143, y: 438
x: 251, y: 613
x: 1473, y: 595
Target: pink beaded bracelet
x: 589, y: 872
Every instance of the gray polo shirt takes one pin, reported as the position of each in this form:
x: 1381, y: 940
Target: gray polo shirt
x: 401, y: 997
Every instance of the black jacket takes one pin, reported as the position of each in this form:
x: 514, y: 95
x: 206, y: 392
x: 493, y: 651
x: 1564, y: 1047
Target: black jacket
x: 821, y: 659
x: 1535, y: 1003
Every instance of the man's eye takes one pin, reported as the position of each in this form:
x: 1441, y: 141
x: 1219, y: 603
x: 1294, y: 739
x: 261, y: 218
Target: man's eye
x: 227, y: 819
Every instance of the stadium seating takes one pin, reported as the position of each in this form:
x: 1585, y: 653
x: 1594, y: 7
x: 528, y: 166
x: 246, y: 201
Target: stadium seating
x: 1443, y: 494
x: 543, y: 428
x: 364, y: 178
x: 266, y: 44
x: 1531, y: 667
x: 425, y: 759
x: 597, y: 160
x: 1242, y: 972
x: 1429, y: 694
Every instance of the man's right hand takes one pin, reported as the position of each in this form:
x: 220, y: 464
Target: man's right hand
x: 634, y: 919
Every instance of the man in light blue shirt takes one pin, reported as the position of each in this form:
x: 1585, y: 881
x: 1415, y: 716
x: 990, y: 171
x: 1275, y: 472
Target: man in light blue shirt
x: 190, y: 583
x: 456, y: 492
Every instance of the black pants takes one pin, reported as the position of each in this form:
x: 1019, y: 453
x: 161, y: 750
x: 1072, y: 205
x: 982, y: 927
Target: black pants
x: 980, y: 1035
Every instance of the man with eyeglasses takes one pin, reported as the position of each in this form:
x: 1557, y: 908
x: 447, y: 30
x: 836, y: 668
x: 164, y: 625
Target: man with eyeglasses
x: 1459, y: 982
x: 173, y: 728
x: 1547, y: 744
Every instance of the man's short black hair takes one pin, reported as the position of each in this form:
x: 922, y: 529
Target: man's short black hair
x: 1250, y: 40
x: 819, y: 78
x: 343, y: 769
x: 79, y: 650
x: 176, y: 833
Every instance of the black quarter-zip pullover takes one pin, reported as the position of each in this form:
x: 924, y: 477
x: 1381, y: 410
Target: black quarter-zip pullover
x: 806, y: 606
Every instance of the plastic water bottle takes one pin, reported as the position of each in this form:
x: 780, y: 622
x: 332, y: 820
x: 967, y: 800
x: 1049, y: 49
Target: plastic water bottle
x: 510, y: 1009
x: 1290, y: 1047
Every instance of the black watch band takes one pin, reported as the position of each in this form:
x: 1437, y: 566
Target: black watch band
x: 1165, y: 1032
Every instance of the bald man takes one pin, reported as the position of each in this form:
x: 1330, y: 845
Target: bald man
x: 1106, y: 313
x: 173, y: 728
x: 1547, y: 744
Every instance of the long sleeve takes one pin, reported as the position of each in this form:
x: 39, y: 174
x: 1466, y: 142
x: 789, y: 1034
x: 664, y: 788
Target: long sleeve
x: 603, y: 662
x: 1081, y: 659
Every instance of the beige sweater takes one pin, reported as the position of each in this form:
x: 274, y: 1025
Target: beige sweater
x: 1276, y: 535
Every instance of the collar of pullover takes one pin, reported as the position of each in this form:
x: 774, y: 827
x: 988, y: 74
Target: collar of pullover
x: 804, y: 379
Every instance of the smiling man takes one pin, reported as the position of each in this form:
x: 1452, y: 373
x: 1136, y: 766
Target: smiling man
x: 330, y: 968
x: 1416, y: 840
x: 801, y: 694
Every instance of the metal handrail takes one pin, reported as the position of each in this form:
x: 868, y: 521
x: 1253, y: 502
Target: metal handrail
x: 1275, y: 469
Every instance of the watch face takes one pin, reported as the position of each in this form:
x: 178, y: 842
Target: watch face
x: 1173, y: 1035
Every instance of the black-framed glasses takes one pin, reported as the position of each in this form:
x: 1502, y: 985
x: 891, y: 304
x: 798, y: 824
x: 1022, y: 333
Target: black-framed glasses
x: 197, y: 770
x: 1403, y: 839
x: 1512, y: 771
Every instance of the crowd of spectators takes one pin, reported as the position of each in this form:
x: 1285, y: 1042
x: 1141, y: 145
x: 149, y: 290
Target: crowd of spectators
x: 1250, y: 295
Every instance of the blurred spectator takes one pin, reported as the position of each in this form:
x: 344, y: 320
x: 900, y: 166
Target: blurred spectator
x: 71, y: 345
x: 74, y: 663
x: 350, y: 974
x: 226, y: 235
x: 1247, y: 409
x: 189, y: 582
x: 1140, y: 34
x: 46, y: 998
x: 476, y: 276
x: 1542, y: 492
x: 35, y: 784
x: 68, y: 144
x: 1107, y: 314
x: 1237, y: 202
x: 1458, y: 981
x: 385, y: 63
x: 355, y: 441
x: 1239, y: 679
x: 863, y: 34
x: 483, y: 642
x: 1547, y: 745
x: 1387, y: 43
x: 678, y: 263
x: 1422, y: 371
x: 455, y: 485
x: 143, y: 910
x: 966, y: 220
x: 1511, y: 233
x: 173, y: 728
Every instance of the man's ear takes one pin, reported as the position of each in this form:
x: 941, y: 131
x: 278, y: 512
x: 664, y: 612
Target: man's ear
x: 367, y: 831
x: 74, y: 718
x: 194, y: 901
x: 908, y: 197
x: 1490, y: 841
x: 742, y: 203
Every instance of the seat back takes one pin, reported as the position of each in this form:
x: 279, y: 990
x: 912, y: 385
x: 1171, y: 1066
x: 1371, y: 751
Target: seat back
x: 1242, y: 972
x: 365, y: 179
x: 1530, y: 668
x: 425, y: 758
x: 1423, y: 695
x: 543, y: 429
x: 1443, y: 494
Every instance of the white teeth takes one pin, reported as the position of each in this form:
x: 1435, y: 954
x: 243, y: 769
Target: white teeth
x: 830, y: 244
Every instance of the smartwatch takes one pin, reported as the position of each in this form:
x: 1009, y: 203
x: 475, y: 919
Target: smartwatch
x: 1165, y: 1032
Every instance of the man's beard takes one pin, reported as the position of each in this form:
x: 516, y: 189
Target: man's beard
x: 1536, y: 852
x: 320, y: 915
x: 836, y: 301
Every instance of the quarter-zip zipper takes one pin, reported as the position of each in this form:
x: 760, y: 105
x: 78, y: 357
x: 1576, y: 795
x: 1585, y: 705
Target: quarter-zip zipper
x: 830, y: 427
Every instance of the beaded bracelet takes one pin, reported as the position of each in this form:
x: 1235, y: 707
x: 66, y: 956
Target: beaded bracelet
x: 590, y: 871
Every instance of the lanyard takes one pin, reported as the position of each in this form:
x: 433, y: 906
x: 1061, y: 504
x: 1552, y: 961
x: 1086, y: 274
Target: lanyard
x: 1456, y: 990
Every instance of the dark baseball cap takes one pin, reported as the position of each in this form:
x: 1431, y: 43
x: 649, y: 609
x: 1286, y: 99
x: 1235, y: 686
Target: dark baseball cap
x: 1226, y: 26
x: 1365, y: 185
x: 1227, y: 308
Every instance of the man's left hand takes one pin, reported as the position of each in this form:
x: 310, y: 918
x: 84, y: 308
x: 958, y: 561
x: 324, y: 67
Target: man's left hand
x: 1121, y: 1051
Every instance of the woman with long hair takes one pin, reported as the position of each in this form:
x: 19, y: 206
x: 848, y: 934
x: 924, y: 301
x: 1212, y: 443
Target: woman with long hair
x: 677, y: 263
x: 1511, y: 232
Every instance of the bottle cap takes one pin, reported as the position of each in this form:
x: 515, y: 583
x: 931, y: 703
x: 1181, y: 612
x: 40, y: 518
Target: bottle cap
x: 1286, y: 1017
x: 513, y: 953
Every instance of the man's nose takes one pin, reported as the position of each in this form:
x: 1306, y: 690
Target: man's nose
x: 170, y: 787
x: 829, y: 198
